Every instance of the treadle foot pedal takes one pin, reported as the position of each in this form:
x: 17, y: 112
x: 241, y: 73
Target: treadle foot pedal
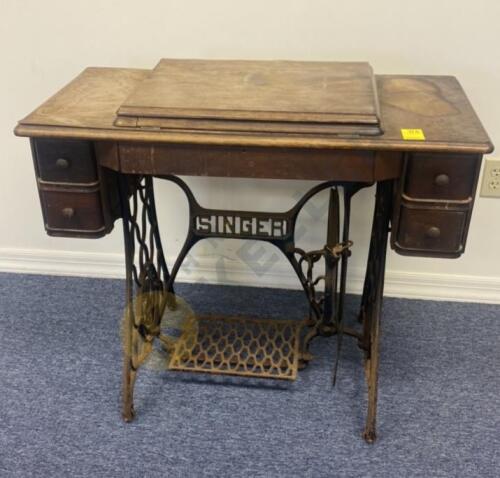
x: 247, y: 347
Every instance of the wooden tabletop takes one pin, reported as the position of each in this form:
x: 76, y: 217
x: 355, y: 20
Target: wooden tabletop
x: 87, y: 108
x: 257, y: 96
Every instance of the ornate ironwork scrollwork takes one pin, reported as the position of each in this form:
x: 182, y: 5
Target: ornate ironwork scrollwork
x: 151, y: 281
x: 147, y: 271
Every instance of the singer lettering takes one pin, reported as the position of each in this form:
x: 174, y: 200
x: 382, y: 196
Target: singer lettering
x: 232, y: 225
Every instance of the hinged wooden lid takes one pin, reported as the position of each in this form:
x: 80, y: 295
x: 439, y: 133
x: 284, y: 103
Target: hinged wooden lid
x: 256, y: 96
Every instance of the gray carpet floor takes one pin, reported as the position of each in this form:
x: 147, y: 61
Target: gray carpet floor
x: 60, y: 373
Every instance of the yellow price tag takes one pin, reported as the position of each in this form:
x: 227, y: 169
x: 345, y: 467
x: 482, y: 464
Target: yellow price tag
x: 413, y: 134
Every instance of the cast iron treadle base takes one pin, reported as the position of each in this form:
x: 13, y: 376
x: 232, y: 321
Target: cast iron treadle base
x: 249, y: 347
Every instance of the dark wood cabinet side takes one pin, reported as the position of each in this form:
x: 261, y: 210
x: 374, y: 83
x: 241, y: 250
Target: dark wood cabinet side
x: 433, y: 204
x: 78, y: 197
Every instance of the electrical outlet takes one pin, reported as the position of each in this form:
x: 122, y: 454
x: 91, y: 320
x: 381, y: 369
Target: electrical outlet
x: 490, y: 187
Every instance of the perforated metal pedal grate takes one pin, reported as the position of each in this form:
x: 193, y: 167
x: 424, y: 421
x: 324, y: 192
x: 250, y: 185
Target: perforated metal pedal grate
x: 239, y: 346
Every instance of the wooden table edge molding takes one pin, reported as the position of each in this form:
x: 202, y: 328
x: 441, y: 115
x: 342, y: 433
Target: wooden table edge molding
x: 190, y: 137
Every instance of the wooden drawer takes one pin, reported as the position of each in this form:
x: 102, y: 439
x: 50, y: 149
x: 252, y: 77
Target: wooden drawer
x: 73, y: 212
x: 430, y: 232
x: 64, y: 161
x: 451, y: 177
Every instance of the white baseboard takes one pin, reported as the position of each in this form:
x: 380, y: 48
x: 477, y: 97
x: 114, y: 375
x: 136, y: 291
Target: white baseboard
x: 415, y: 285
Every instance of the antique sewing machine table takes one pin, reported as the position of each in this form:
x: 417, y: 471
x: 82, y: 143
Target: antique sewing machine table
x: 99, y: 142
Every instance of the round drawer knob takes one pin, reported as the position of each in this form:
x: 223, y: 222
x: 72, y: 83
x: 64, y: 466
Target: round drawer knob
x: 62, y: 163
x: 433, y: 232
x: 68, y: 212
x: 442, y: 180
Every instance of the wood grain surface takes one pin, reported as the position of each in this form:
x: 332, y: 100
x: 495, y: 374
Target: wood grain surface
x: 287, y: 91
x: 87, y: 108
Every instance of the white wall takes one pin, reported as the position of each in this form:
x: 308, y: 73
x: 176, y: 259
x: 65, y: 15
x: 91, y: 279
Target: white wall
x: 45, y: 44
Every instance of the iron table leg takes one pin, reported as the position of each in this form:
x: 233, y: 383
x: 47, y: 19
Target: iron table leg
x: 146, y: 278
x: 372, y: 300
